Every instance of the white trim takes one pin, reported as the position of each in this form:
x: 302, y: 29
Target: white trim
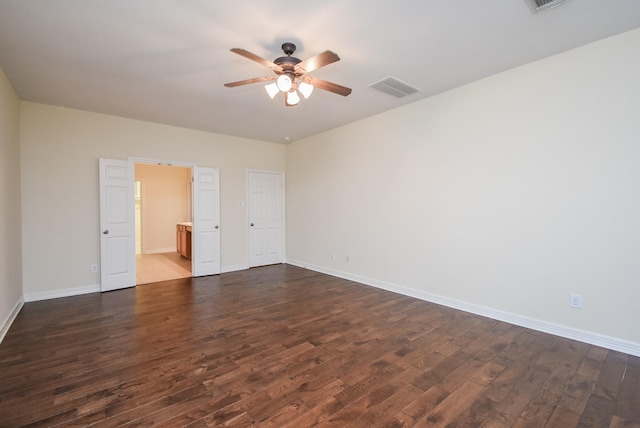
x: 161, y: 162
x: 65, y: 292
x: 263, y: 171
x: 6, y: 324
x: 589, y: 337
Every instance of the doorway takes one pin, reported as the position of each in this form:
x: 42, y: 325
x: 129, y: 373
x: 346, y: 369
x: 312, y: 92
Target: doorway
x: 163, y: 200
x: 117, y: 222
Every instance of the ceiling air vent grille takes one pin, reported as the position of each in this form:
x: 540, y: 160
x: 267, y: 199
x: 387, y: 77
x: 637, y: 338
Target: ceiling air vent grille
x: 393, y: 86
x: 541, y: 5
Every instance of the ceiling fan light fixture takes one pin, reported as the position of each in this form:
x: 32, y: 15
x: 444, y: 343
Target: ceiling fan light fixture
x: 284, y: 83
x: 272, y: 89
x: 290, y: 74
x: 292, y: 98
x: 305, y: 89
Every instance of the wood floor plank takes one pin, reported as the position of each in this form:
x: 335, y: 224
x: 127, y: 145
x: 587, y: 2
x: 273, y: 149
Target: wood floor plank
x: 628, y: 403
x: 451, y: 407
x: 285, y: 346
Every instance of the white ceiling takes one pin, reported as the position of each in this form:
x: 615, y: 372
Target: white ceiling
x: 166, y: 61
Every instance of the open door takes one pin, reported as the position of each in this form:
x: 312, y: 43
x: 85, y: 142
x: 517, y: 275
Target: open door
x: 117, y: 225
x: 205, y: 231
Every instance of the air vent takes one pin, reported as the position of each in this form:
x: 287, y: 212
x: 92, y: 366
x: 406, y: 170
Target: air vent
x: 542, y: 5
x: 393, y: 86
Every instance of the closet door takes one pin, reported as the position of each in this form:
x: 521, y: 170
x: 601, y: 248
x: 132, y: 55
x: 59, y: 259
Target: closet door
x: 266, y: 218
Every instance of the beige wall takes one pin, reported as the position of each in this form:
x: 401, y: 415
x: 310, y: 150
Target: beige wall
x: 500, y: 197
x: 10, y: 221
x: 164, y: 200
x: 60, y: 152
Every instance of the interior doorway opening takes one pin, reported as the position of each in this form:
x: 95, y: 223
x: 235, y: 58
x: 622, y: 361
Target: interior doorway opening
x: 163, y: 203
x: 117, y: 222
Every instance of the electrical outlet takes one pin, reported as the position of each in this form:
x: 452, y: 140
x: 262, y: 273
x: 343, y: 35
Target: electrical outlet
x: 333, y: 255
x: 94, y: 267
x: 222, y: 254
x: 575, y: 301
x: 348, y: 259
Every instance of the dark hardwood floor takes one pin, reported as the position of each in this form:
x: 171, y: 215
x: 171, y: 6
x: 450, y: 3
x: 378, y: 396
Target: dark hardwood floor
x: 283, y: 346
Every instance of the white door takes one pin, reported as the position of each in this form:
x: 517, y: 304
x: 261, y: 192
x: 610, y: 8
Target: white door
x: 205, y: 230
x: 266, y: 218
x: 117, y: 225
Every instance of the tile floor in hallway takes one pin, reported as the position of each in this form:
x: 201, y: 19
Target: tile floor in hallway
x: 161, y: 267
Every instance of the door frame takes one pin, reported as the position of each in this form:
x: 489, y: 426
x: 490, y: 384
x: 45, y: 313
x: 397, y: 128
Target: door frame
x: 150, y: 161
x: 158, y: 162
x: 248, y: 213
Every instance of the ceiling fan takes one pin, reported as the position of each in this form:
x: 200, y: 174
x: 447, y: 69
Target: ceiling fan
x: 291, y: 74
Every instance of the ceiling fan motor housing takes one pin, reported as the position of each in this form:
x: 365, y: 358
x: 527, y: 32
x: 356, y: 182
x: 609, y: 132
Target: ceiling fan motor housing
x: 284, y: 61
x: 287, y: 62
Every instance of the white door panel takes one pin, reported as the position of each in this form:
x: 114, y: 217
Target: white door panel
x: 117, y: 225
x: 266, y: 218
x: 205, y: 233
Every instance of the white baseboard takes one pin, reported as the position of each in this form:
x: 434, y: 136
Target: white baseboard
x: 66, y: 292
x: 54, y: 294
x: 4, y: 328
x: 591, y: 338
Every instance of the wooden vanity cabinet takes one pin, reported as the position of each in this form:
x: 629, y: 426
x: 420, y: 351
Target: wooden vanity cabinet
x: 183, y: 240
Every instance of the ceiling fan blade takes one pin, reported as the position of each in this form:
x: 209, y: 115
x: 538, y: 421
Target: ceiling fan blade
x: 315, y: 62
x: 328, y: 86
x: 256, y: 58
x: 249, y: 81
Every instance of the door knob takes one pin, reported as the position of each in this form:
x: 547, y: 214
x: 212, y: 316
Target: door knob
x: 217, y: 226
x: 251, y: 225
x: 105, y: 232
